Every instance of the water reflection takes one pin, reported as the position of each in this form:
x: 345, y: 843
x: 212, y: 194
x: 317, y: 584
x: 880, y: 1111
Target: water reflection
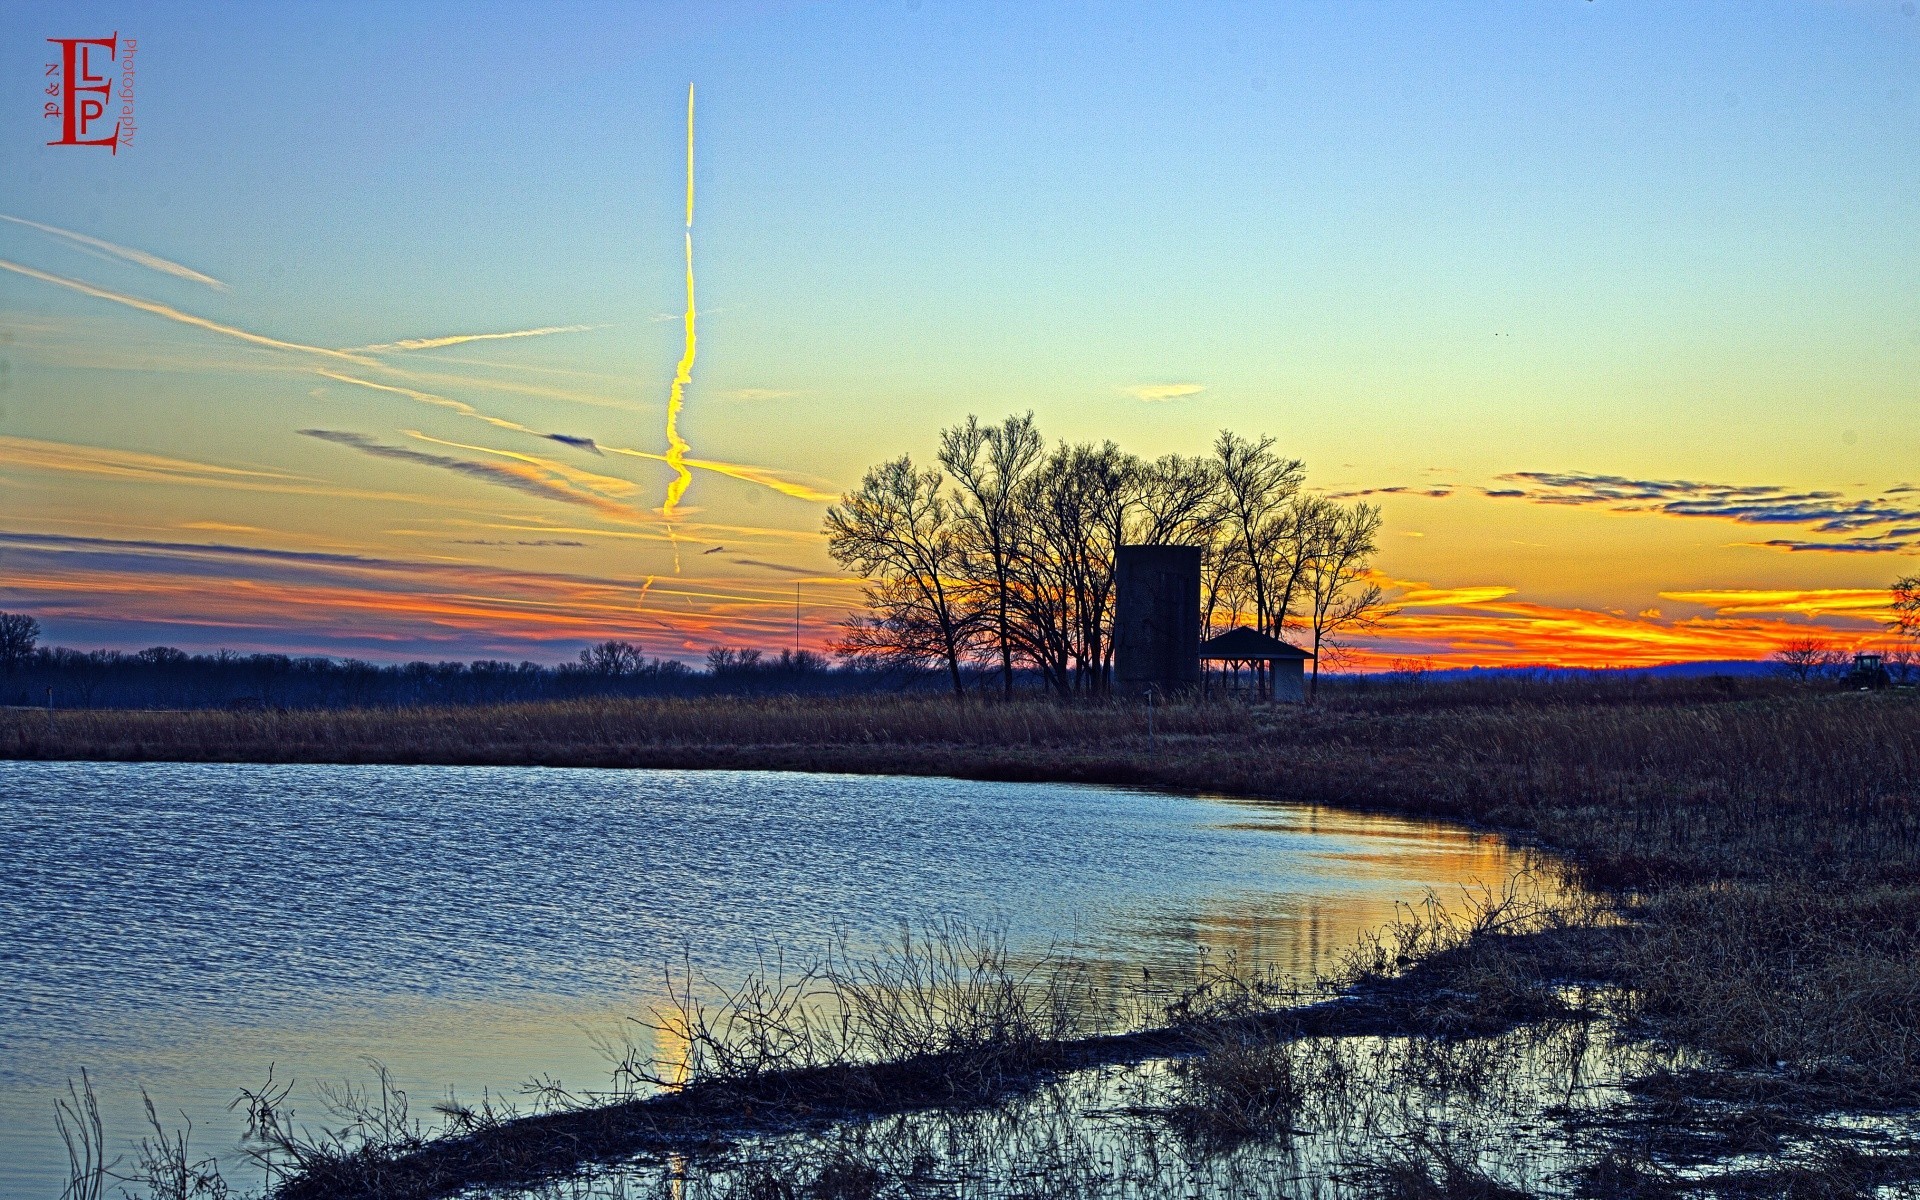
x: 182, y: 926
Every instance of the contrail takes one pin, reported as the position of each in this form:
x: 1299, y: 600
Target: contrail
x: 174, y: 314
x: 763, y: 476
x: 458, y: 338
x: 459, y: 406
x: 683, y: 375
x: 141, y: 257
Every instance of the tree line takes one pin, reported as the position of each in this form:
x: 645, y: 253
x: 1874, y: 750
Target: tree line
x: 166, y: 677
x: 1000, y: 561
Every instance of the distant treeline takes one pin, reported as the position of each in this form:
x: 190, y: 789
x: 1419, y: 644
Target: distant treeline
x: 163, y: 677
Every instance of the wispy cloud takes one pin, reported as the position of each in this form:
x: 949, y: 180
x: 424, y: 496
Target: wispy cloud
x: 765, y: 477
x: 527, y: 479
x: 786, y: 485
x: 1864, y: 603
x: 1398, y: 489
x: 782, y: 568
x: 1823, y: 511
x: 455, y: 339
x: 758, y: 394
x: 607, y: 484
x: 1887, y: 545
x: 1162, y: 391
x: 123, y: 464
x: 438, y: 401
x: 516, y: 542
x: 215, y: 594
x: 126, y: 253
x: 173, y: 314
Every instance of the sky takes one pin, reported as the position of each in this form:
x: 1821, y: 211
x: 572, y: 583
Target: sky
x: 1613, y: 307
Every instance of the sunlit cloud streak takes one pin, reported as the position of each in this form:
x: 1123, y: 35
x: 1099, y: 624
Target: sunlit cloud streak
x: 173, y: 314
x: 127, y: 253
x: 1399, y: 489
x: 606, y: 484
x: 1489, y: 626
x: 455, y: 339
x: 526, y: 479
x: 765, y: 477
x: 125, y: 464
x: 1869, y: 604
x: 223, y: 593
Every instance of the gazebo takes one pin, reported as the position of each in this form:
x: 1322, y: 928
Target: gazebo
x: 1286, y: 664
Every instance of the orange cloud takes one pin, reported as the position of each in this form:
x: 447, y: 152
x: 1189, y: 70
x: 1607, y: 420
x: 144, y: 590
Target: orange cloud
x: 1485, y: 626
x: 1871, y: 603
x: 226, y: 594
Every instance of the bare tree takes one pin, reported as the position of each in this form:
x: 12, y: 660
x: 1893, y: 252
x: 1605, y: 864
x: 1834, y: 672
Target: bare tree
x: 1341, y: 599
x: 989, y: 466
x: 1176, y: 501
x: 898, y: 528
x: 613, y: 658
x: 19, y: 634
x: 1256, y: 487
x: 1076, y: 505
x: 1903, y: 664
x: 1805, y: 658
x: 1906, y: 606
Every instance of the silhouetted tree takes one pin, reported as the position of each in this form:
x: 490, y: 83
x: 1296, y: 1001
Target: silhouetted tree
x: 898, y: 528
x: 990, y: 466
x: 19, y: 634
x: 1806, y: 658
x: 613, y: 658
x: 1906, y: 606
x: 1341, y: 599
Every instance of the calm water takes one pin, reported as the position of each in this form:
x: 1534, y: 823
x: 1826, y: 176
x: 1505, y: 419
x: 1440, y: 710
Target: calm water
x: 181, y: 927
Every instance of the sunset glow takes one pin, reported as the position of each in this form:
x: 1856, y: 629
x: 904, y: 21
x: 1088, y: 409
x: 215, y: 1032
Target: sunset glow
x: 1608, y: 308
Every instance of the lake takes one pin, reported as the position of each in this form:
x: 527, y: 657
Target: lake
x: 181, y: 927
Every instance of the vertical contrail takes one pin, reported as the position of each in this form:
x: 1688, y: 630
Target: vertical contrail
x: 676, y: 445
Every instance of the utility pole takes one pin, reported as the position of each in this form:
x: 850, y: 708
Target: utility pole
x: 796, y: 620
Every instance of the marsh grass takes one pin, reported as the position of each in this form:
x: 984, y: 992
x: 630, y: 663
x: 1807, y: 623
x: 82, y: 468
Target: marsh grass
x: 949, y: 1001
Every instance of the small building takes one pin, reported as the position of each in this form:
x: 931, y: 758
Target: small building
x: 1285, y: 675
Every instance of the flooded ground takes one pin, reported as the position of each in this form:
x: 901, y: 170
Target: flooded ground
x: 182, y: 927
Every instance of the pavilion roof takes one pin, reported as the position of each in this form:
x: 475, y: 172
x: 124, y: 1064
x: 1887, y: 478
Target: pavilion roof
x: 1246, y: 645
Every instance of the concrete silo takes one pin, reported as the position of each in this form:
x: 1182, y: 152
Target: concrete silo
x: 1156, y: 620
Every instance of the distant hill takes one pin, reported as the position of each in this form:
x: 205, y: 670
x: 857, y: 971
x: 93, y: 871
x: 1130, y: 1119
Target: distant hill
x: 1681, y: 670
